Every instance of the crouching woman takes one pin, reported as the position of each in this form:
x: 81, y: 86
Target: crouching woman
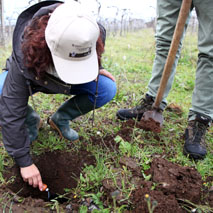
x: 57, y: 49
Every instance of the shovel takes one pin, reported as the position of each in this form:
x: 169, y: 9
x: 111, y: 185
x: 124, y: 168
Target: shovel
x: 153, y: 120
x: 53, y: 196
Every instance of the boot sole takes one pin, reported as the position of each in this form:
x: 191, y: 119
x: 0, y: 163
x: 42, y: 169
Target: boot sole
x: 194, y: 156
x: 54, y: 127
x: 40, y: 124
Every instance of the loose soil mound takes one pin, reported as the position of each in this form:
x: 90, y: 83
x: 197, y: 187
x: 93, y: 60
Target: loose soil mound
x: 169, y: 185
x: 172, y: 182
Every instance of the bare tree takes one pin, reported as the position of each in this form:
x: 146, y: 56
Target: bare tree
x: 31, y: 1
x: 2, y: 22
x: 114, y: 23
x: 99, y: 7
x: 34, y: 1
x: 124, y: 18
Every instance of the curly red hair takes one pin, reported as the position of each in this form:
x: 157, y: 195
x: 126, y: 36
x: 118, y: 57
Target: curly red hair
x: 37, y: 56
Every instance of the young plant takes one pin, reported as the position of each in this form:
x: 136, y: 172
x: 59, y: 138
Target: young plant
x: 125, y: 147
x: 151, y: 204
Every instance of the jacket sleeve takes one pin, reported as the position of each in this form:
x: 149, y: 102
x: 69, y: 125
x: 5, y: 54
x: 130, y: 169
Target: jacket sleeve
x: 13, y: 108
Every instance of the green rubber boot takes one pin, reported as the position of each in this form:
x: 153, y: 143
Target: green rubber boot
x: 71, y: 109
x: 33, y: 123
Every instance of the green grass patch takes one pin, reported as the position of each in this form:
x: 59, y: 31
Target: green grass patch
x: 130, y: 60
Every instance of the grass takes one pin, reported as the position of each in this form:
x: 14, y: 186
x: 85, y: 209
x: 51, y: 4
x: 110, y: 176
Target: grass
x: 5, y: 52
x: 130, y: 60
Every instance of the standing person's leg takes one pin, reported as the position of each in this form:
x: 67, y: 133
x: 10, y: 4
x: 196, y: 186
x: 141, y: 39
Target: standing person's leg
x: 167, y: 14
x: 80, y: 104
x: 201, y: 112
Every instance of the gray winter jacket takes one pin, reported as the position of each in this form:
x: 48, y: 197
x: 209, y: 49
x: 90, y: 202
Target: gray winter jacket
x: 15, y: 93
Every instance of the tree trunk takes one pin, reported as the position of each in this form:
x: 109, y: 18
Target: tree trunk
x: 2, y: 22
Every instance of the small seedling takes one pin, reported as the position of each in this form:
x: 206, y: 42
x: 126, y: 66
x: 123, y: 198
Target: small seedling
x: 151, y: 204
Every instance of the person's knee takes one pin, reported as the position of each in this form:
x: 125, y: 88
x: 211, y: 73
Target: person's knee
x: 106, y: 93
x: 110, y: 91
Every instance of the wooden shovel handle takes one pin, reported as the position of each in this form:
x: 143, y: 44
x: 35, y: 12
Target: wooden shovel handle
x: 183, y: 15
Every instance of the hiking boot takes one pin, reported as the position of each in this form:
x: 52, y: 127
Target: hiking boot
x: 136, y: 112
x: 195, y: 145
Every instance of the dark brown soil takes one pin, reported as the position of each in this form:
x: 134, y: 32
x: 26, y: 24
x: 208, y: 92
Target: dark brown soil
x: 165, y: 203
x: 59, y: 170
x: 173, y: 182
x: 152, y: 121
x: 169, y: 183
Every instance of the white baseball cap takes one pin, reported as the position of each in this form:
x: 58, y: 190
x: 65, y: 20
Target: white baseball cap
x: 71, y: 35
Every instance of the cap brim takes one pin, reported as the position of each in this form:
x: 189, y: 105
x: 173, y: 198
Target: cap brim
x: 77, y: 72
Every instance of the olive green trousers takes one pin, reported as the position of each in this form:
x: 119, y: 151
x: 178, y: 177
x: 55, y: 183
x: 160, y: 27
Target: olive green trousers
x: 167, y: 14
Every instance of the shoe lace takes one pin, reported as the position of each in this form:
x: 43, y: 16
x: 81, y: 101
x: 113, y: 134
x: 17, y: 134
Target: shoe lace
x: 199, y: 130
x: 142, y: 103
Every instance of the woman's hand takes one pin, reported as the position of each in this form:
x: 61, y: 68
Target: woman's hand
x: 107, y: 74
x: 32, y: 175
